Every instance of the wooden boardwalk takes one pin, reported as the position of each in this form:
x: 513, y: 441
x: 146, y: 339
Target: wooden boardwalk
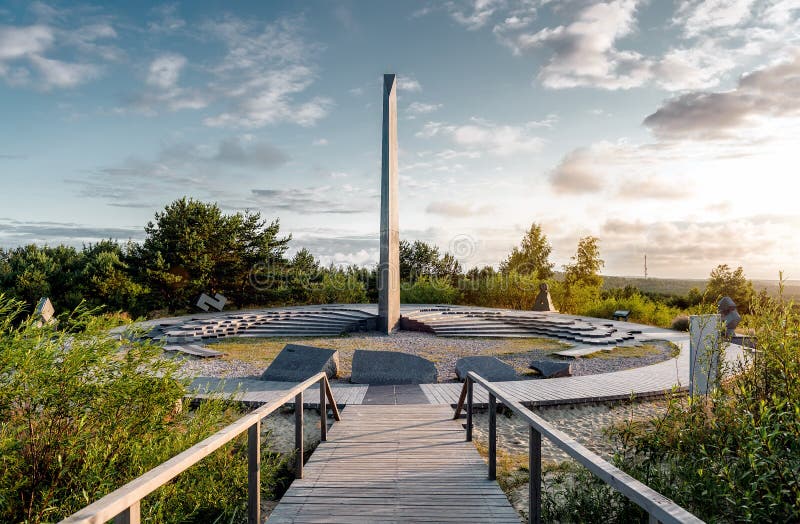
x: 397, y: 463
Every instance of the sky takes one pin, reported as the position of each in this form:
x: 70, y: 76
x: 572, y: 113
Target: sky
x: 665, y: 129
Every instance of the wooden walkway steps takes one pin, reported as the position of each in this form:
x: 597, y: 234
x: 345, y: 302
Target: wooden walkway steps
x: 395, y: 463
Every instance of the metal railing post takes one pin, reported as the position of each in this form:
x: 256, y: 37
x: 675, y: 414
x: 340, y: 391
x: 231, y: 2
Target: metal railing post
x: 254, y: 473
x: 131, y: 515
x: 469, y: 409
x: 323, y: 413
x: 492, y: 437
x: 535, y: 471
x: 298, y: 435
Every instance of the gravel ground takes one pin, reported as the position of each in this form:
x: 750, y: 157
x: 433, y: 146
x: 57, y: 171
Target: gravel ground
x: 444, y: 352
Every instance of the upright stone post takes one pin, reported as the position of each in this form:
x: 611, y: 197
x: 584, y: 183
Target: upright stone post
x: 389, y: 267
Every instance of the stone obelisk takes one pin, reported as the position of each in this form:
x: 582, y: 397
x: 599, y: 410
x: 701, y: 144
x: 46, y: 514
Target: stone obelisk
x: 389, y: 267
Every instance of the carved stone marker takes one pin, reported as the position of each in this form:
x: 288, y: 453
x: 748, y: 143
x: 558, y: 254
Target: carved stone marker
x: 218, y: 302
x: 550, y: 369
x: 45, y: 311
x: 490, y: 368
x: 704, y: 352
x: 389, y: 266
x: 730, y: 315
x: 543, y: 300
x: 296, y: 363
x: 391, y: 367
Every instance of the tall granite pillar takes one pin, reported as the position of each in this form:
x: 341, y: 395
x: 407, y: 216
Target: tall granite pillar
x: 389, y: 267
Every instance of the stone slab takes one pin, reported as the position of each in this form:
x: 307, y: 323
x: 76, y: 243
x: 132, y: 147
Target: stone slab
x: 391, y: 367
x: 550, y: 369
x: 296, y: 363
x: 491, y: 368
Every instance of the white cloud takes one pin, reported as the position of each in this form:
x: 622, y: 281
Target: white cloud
x: 584, y: 51
x: 699, y: 16
x: 408, y: 84
x: 420, y: 108
x: 320, y: 142
x: 63, y: 74
x: 165, y: 70
x: 264, y: 73
x: 457, y: 209
x: 24, y: 42
x: 24, y: 50
x: 482, y: 135
x: 769, y: 93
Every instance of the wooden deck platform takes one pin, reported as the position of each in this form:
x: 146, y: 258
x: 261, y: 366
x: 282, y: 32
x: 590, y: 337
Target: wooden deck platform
x: 395, y: 463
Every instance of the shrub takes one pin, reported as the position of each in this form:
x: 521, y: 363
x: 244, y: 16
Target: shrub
x: 427, y: 290
x: 734, y: 454
x: 81, y: 414
x: 680, y: 323
x: 643, y: 310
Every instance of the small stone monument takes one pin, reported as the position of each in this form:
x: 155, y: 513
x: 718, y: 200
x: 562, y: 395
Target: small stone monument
x: 205, y: 302
x: 704, y: 353
x: 730, y: 315
x: 45, y: 311
x: 543, y: 300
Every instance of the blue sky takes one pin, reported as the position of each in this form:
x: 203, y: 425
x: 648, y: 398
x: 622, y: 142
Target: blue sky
x: 664, y: 128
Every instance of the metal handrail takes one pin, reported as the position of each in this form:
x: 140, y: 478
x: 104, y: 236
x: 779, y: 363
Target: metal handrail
x: 658, y: 507
x: 123, y: 504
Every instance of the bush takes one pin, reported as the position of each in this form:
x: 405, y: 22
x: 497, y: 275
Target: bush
x: 643, y: 310
x: 81, y: 414
x: 734, y: 454
x: 680, y: 323
x: 427, y: 290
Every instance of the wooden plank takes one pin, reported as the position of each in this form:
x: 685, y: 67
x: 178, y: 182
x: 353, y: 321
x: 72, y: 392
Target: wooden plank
x: 395, y: 463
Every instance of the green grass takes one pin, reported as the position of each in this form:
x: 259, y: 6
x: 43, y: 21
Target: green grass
x: 644, y: 350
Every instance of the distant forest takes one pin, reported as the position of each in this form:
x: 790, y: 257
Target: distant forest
x: 192, y: 247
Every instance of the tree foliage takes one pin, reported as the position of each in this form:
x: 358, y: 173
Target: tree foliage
x: 420, y: 259
x: 532, y: 257
x: 727, y: 282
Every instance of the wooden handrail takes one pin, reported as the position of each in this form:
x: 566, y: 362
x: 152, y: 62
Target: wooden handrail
x: 123, y: 504
x: 659, y: 507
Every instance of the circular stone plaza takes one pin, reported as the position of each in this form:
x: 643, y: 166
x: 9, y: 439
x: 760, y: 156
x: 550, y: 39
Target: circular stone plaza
x: 512, y: 337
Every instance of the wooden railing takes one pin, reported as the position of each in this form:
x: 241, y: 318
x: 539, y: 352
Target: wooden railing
x: 123, y: 504
x: 658, y: 507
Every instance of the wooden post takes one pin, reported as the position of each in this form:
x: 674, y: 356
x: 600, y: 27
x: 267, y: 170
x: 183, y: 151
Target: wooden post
x: 332, y: 401
x: 254, y: 474
x: 469, y: 409
x: 132, y: 515
x: 323, y: 412
x: 298, y: 435
x: 535, y: 471
x: 492, y: 437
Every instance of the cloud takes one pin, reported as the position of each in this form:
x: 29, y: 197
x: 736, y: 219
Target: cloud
x: 408, y: 84
x: 577, y: 173
x: 699, y: 16
x: 165, y: 19
x: 456, y: 210
x: 344, y: 199
x: 584, y: 51
x: 15, y: 233
x: 24, y: 51
x: 57, y: 73
x: 771, y: 92
x: 320, y: 142
x: 474, y: 14
x: 23, y: 42
x: 482, y: 135
x: 178, y: 170
x: 419, y: 108
x: 263, y: 74
x: 165, y: 70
